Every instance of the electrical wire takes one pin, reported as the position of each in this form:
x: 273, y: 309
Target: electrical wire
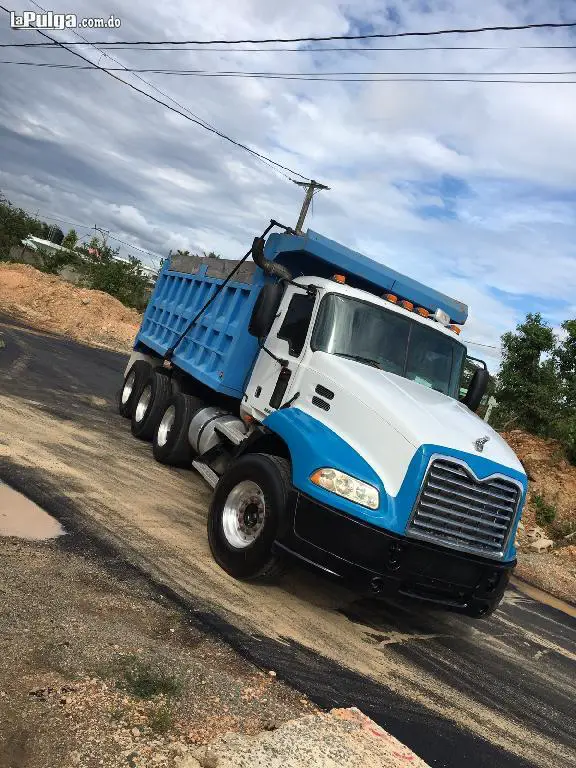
x: 311, y: 75
x: 373, y: 36
x: 368, y: 77
x: 327, y: 49
x: 211, y: 129
x: 146, y: 82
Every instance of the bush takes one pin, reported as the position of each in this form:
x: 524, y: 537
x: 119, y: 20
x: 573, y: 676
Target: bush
x: 142, y: 680
x: 54, y: 263
x: 123, y: 279
x: 545, y: 512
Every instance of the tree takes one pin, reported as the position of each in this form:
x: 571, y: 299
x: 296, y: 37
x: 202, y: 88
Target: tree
x: 71, y: 240
x: 528, y: 389
x: 103, y: 270
x: 565, y: 421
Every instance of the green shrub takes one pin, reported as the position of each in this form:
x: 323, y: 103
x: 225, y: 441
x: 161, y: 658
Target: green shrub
x: 145, y: 681
x: 545, y: 512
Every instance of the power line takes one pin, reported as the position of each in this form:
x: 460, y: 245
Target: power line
x: 316, y: 39
x: 364, y: 49
x: 164, y: 104
x: 367, y: 77
x: 146, y: 82
x: 319, y: 74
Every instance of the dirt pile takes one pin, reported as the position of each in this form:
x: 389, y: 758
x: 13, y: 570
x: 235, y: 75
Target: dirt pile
x: 551, y: 505
x: 49, y: 303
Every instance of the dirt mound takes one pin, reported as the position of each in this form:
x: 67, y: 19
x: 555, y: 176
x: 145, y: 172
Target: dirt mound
x: 552, y: 482
x: 49, y: 303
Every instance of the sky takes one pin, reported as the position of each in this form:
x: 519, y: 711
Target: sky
x: 468, y: 187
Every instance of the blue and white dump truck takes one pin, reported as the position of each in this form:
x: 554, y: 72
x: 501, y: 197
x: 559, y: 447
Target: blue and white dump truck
x: 318, y: 392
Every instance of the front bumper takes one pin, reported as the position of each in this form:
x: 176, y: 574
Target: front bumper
x: 371, y: 559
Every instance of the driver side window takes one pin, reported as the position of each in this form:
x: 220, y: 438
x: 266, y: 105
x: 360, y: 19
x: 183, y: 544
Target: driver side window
x: 296, y: 322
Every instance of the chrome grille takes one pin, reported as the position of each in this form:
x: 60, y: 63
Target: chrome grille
x: 457, y: 510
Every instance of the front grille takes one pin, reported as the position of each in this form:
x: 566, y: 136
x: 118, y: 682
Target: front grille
x: 459, y: 511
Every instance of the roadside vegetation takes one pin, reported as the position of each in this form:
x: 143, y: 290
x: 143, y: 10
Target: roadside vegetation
x: 95, y: 262
x: 536, y: 385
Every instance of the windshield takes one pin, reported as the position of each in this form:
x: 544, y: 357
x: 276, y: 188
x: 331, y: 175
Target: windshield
x: 375, y: 336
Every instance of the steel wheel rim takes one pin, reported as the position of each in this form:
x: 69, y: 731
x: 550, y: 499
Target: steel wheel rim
x: 244, y: 514
x: 128, y: 387
x: 143, y: 403
x: 166, y: 425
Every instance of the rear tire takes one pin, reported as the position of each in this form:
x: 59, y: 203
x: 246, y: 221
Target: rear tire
x: 151, y: 404
x: 170, y: 445
x: 132, y: 386
x: 247, y: 511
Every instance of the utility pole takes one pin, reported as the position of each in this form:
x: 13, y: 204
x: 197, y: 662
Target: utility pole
x: 311, y: 187
x: 104, y: 233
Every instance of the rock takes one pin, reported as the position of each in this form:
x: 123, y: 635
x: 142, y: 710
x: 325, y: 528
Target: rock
x: 536, y: 533
x: 542, y: 545
x: 272, y: 673
x: 75, y: 757
x: 188, y: 762
x: 210, y: 760
x: 85, y: 300
x: 135, y: 732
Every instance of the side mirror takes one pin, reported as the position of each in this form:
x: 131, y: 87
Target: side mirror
x: 265, y: 310
x: 477, y: 389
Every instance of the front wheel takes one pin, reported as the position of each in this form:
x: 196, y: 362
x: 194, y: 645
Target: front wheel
x: 247, y: 511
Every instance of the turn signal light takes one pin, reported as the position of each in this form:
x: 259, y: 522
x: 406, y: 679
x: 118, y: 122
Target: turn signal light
x: 455, y: 328
x: 422, y: 311
x: 339, y: 279
x: 391, y: 297
x: 407, y: 305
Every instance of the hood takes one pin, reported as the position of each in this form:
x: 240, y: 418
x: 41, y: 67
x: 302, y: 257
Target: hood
x: 420, y: 414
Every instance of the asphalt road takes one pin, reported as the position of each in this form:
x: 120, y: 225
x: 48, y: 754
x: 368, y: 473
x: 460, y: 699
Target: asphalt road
x: 496, y: 692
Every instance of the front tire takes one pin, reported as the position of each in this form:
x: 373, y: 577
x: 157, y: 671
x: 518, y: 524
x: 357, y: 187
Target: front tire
x: 151, y: 404
x: 248, y: 510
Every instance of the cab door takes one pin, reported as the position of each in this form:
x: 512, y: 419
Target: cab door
x: 271, y: 379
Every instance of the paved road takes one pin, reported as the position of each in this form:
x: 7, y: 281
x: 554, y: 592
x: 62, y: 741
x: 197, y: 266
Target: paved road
x: 496, y: 692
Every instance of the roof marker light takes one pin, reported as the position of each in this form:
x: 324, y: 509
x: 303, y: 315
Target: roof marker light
x: 441, y: 317
x: 339, y: 279
x: 455, y: 329
x: 423, y: 312
x: 407, y: 305
x: 391, y: 297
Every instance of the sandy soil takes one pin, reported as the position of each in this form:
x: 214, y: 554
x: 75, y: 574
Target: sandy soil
x: 554, y: 479
x: 51, y: 304
x: 68, y: 691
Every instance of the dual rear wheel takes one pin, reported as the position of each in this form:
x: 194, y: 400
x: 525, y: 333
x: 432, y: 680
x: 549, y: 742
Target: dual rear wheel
x: 248, y: 507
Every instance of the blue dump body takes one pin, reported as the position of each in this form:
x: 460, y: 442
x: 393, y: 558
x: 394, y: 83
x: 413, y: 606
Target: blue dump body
x: 218, y: 350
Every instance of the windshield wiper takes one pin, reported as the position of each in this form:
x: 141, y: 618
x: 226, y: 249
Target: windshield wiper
x: 360, y: 359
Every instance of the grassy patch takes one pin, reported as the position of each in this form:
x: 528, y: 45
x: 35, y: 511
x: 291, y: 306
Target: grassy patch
x: 146, y: 681
x: 545, y: 512
x: 161, y: 719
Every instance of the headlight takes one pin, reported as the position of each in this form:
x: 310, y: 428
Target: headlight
x: 349, y: 487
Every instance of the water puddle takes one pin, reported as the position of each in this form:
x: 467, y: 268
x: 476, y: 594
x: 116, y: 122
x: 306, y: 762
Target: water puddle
x: 22, y: 518
x: 543, y: 597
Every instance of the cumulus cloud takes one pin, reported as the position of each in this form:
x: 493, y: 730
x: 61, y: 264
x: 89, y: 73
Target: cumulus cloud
x: 469, y: 187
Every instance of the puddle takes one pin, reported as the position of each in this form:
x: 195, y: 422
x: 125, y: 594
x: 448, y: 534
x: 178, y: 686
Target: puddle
x: 543, y: 597
x: 22, y: 518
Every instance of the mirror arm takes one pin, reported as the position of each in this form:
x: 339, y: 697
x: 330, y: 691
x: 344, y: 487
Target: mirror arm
x: 279, y: 360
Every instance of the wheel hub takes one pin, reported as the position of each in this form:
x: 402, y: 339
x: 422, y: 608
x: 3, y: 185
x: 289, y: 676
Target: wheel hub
x: 143, y: 403
x: 166, y: 425
x: 128, y: 387
x: 244, y: 514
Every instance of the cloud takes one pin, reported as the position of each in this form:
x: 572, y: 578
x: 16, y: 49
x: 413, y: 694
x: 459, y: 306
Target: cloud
x: 467, y: 186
